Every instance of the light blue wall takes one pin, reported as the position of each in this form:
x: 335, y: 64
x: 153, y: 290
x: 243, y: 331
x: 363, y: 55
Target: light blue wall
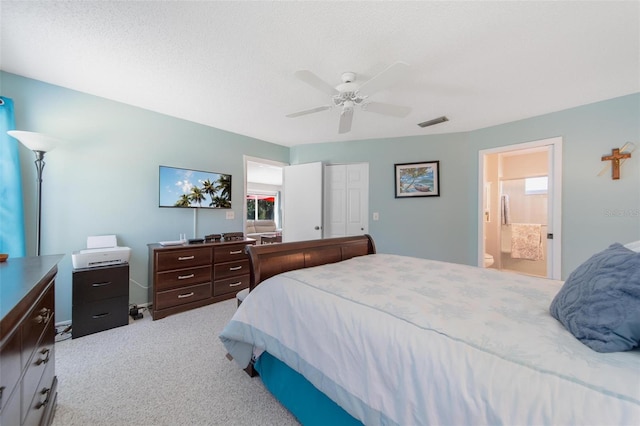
x: 430, y: 227
x: 104, y: 180
x: 596, y: 211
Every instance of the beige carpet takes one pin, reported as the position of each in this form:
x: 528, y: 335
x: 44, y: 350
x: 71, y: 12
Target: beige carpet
x: 167, y: 372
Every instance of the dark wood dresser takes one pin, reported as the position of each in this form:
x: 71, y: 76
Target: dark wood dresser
x: 28, y: 384
x: 189, y: 276
x: 100, y: 299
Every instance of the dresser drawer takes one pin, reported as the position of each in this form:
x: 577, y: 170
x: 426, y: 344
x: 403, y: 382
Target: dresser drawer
x: 230, y: 269
x: 183, y: 277
x: 42, y: 358
x: 231, y: 285
x: 167, y: 260
x: 41, y: 398
x: 229, y: 253
x: 101, y: 315
x: 10, y: 413
x: 35, y: 323
x: 181, y: 296
x: 10, y: 368
x: 101, y: 283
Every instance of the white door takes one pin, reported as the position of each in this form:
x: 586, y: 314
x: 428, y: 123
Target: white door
x: 302, y: 202
x: 346, y: 200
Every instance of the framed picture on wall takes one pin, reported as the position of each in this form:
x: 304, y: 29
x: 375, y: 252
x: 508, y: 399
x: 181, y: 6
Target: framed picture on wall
x: 417, y: 179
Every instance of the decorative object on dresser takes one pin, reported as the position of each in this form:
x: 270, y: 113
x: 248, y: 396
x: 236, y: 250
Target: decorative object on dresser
x: 28, y: 384
x: 100, y: 299
x: 233, y: 236
x: 187, y: 277
x: 212, y: 238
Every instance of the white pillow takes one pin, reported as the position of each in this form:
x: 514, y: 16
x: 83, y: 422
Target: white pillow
x: 635, y: 246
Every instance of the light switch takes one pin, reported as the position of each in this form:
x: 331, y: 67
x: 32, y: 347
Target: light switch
x: 376, y: 216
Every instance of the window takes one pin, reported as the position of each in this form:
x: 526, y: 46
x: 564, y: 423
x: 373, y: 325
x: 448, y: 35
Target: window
x: 261, y: 206
x: 536, y: 185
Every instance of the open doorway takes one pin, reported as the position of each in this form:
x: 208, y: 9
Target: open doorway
x: 519, y: 208
x: 263, y: 192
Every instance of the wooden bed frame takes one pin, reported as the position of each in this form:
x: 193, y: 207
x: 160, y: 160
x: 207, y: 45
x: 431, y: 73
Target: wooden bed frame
x: 267, y: 260
x: 272, y: 259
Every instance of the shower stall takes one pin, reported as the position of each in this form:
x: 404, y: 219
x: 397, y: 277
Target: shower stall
x: 523, y: 225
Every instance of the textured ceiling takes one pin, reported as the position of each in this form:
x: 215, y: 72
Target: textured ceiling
x: 231, y: 65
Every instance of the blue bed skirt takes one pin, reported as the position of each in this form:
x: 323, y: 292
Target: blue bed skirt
x: 298, y: 395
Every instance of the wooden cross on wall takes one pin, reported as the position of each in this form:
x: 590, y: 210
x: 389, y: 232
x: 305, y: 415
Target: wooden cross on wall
x: 615, y: 158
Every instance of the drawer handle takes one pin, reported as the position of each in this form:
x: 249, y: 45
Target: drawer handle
x: 46, y: 359
x: 182, y: 296
x: 186, y: 257
x: 235, y: 252
x: 101, y: 315
x: 43, y: 316
x: 235, y: 268
x: 185, y: 277
x: 44, y: 391
x: 235, y: 284
x: 100, y: 284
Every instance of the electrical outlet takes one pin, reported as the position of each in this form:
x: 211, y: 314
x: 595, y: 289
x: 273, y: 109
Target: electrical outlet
x: 230, y: 214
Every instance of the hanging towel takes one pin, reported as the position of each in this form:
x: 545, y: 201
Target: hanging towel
x: 526, y: 241
x: 505, y: 210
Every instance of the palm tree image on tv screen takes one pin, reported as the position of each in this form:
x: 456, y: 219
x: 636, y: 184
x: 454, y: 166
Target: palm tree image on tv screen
x: 194, y: 188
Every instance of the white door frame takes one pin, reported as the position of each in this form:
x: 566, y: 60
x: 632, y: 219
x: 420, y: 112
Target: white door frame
x: 554, y: 225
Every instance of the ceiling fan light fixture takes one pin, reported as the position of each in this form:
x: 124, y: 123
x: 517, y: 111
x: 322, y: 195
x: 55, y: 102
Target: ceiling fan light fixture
x: 434, y: 121
x: 348, y: 95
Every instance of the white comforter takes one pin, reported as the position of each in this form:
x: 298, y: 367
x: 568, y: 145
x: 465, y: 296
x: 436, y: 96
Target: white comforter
x: 401, y: 340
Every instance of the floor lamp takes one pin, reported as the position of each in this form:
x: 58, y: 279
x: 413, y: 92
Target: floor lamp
x: 39, y: 144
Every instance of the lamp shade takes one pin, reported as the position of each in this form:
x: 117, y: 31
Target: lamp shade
x: 35, y: 141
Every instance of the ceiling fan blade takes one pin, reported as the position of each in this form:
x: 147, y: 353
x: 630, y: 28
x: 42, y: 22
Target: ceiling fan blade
x: 309, y: 111
x: 314, y: 81
x: 346, y: 118
x: 385, y: 79
x: 387, y: 109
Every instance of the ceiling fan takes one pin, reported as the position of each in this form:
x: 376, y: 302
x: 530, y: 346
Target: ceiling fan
x: 350, y: 94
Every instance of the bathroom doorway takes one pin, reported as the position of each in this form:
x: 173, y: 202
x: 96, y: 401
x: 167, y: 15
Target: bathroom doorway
x: 519, y: 208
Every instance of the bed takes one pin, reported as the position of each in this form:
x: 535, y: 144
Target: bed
x: 343, y: 335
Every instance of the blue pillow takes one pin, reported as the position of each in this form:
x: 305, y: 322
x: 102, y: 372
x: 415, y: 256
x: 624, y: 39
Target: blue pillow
x: 600, y: 301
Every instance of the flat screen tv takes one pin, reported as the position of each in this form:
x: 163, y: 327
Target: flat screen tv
x: 194, y: 188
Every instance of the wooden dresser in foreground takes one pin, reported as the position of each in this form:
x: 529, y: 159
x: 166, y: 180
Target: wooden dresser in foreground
x: 28, y: 384
x: 189, y: 276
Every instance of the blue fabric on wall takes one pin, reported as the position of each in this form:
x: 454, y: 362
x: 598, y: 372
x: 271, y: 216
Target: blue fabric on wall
x: 12, y: 240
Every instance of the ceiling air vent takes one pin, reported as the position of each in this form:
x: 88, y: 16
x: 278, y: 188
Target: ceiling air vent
x: 434, y: 121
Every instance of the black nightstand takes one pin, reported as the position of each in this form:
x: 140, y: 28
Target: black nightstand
x: 100, y: 299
